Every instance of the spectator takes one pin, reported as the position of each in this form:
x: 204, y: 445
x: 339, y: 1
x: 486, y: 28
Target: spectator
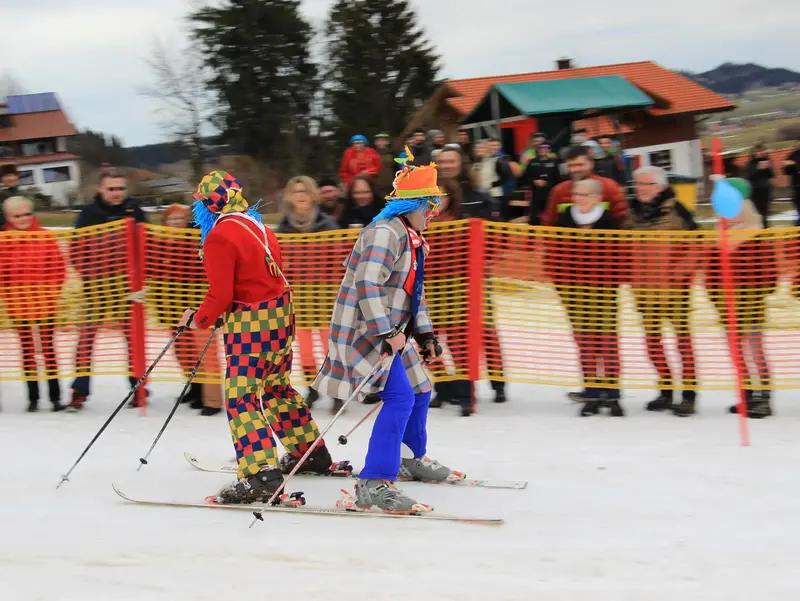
x: 362, y: 204
x: 541, y: 175
x: 32, y: 274
x: 96, y: 258
x: 754, y: 270
x: 610, y: 164
x: 453, y: 164
x: 436, y: 138
x: 588, y: 281
x: 303, y: 216
x: 580, y: 166
x: 464, y: 141
x: 385, y: 180
x: 662, y: 274
x: 359, y: 159
x: 176, y: 280
x: 9, y: 186
x: 531, y: 152
x: 791, y: 167
x: 418, y: 147
x: 498, y: 173
x: 331, y: 201
x: 760, y: 174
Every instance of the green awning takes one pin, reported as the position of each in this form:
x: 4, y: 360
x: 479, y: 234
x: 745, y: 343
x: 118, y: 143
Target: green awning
x: 573, y: 96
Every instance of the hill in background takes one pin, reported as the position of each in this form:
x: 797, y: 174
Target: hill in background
x: 734, y: 79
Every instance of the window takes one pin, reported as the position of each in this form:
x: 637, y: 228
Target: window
x: 56, y: 174
x: 35, y: 147
x: 25, y: 178
x: 662, y: 158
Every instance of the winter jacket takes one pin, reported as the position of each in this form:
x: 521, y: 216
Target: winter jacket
x: 475, y: 204
x: 612, y: 167
x: 583, y: 258
x: 659, y: 261
x: 793, y: 171
x: 354, y: 163
x: 323, y: 223
x: 360, y: 216
x: 32, y: 273
x: 103, y: 253
x: 385, y: 179
x: 760, y: 177
x: 614, y: 201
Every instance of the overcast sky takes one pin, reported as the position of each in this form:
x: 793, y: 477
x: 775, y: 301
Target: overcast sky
x: 91, y: 52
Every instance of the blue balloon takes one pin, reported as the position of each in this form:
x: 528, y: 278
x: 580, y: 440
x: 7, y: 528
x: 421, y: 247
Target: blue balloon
x: 726, y: 200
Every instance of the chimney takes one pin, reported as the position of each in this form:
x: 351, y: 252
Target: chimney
x: 564, y: 63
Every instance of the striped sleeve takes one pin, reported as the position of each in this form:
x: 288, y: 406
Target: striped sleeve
x: 380, y: 248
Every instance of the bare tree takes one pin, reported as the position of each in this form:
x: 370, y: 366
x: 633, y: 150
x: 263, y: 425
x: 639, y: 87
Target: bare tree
x: 185, y: 100
x: 10, y: 85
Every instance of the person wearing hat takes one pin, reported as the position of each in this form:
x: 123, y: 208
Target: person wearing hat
x: 248, y: 291
x: 359, y: 159
x: 386, y: 176
x: 380, y: 304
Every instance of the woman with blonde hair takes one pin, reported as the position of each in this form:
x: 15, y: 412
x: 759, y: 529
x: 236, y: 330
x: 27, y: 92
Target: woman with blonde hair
x: 32, y: 274
x: 304, y: 267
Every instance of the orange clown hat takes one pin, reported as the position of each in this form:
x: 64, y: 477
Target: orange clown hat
x: 415, y: 182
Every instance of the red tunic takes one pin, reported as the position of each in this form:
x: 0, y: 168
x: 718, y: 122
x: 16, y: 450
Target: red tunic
x: 236, y: 268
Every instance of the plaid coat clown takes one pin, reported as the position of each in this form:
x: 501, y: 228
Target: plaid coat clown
x: 371, y: 302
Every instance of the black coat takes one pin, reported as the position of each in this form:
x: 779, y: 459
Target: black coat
x: 362, y: 216
x: 793, y: 171
x: 474, y: 203
x: 759, y: 178
x: 98, y: 212
x: 323, y: 223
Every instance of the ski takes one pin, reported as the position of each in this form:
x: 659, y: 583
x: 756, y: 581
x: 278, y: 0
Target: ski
x: 339, y: 511
x: 206, y: 466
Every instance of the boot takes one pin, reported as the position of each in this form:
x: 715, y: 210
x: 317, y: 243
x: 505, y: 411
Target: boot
x: 194, y: 395
x: 500, y: 395
x: 319, y: 462
x: 760, y: 407
x: 686, y: 407
x: 612, y: 402
x: 590, y: 397
x: 209, y: 411
x: 54, y: 390
x: 255, y: 489
x: 337, y: 404
x: 424, y: 469
x: 312, y: 397
x: 663, y: 402
x: 385, y: 496
x: 78, y: 399
x: 748, y: 401
x: 33, y: 396
x: 371, y: 399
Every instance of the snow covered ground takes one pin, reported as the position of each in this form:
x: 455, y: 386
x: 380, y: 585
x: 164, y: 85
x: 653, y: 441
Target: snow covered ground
x: 650, y: 507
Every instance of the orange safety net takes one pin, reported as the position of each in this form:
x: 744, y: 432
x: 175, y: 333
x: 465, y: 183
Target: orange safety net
x: 66, y: 302
x: 641, y: 309
x: 629, y: 309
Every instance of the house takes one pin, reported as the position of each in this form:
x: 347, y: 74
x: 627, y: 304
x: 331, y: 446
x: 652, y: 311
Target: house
x: 33, y: 135
x: 660, y: 131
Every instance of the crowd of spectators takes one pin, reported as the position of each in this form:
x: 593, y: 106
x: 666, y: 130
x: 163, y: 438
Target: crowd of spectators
x: 583, y: 187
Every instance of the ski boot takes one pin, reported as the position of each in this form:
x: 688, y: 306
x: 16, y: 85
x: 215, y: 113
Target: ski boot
x: 254, y: 489
x: 319, y: 462
x: 383, y: 495
x: 663, y: 402
x: 424, y: 469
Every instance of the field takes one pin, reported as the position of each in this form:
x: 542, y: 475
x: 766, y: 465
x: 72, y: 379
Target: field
x: 764, y: 132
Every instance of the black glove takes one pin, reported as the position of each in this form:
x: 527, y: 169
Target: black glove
x: 423, y: 341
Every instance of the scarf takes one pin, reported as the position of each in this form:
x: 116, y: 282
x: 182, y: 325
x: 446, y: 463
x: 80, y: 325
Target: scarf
x: 586, y: 218
x: 303, y: 224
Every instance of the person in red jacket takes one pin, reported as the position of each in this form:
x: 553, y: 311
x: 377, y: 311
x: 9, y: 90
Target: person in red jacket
x: 32, y: 274
x: 359, y: 159
x: 243, y: 263
x: 580, y: 166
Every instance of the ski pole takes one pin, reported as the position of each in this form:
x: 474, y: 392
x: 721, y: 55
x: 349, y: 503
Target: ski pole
x: 134, y: 388
x: 143, y: 460
x: 343, y: 438
x: 310, y: 450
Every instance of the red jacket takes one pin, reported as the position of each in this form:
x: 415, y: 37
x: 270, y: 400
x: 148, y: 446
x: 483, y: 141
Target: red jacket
x: 613, y: 196
x: 236, y: 268
x: 32, y: 272
x: 355, y: 163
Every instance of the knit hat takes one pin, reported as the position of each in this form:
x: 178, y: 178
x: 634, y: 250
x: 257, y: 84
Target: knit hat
x: 358, y: 138
x: 742, y: 186
x: 327, y: 180
x: 219, y: 193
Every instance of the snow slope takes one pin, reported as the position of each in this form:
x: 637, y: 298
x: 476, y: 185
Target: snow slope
x: 650, y: 507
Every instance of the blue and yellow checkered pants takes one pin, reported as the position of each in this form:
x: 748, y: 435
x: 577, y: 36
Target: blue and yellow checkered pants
x: 260, y: 398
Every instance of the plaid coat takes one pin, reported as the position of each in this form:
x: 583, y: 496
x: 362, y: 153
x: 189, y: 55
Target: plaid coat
x: 371, y: 301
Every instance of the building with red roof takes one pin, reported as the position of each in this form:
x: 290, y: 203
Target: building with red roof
x: 34, y: 130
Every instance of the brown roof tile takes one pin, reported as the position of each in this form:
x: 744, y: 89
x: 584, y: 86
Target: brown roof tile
x: 37, y: 125
x: 43, y: 158
x: 682, y: 95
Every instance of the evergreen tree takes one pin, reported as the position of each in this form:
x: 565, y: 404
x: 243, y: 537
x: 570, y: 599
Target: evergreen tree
x: 381, y: 67
x: 258, y: 54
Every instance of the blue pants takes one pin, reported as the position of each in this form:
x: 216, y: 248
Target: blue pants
x: 402, y: 420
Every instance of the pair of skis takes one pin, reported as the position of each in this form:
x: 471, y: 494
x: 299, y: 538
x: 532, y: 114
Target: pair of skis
x: 343, y: 507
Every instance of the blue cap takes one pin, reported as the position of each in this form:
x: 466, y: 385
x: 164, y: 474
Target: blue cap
x: 358, y: 138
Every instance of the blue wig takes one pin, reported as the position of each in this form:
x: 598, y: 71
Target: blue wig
x: 402, y: 206
x: 206, y: 220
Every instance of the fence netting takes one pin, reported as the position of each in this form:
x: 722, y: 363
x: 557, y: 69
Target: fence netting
x: 629, y: 309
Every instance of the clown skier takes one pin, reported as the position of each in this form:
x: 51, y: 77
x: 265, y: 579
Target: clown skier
x: 243, y: 264
x: 381, y: 304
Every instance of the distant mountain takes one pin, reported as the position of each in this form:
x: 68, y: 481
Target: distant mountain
x: 732, y: 78
x: 150, y: 156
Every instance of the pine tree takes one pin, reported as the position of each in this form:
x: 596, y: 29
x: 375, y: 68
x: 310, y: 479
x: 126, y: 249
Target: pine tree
x: 258, y: 53
x: 380, y: 67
